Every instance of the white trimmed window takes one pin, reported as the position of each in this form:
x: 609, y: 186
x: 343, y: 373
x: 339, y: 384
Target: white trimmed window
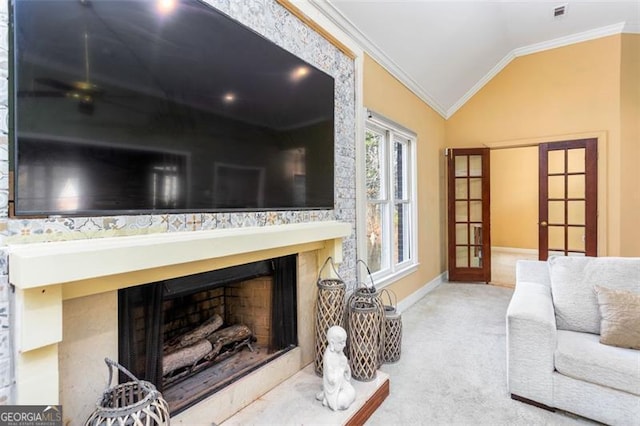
x: 390, y: 199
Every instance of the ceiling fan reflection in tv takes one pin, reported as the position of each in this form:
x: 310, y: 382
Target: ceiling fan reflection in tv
x: 84, y: 92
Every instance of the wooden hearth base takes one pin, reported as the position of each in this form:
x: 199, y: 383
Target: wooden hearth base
x: 293, y: 402
x: 370, y: 405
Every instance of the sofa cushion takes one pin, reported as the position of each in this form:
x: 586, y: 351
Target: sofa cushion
x: 572, y: 287
x: 583, y: 357
x: 620, y: 313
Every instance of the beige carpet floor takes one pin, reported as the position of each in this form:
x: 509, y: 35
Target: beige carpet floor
x: 452, y: 367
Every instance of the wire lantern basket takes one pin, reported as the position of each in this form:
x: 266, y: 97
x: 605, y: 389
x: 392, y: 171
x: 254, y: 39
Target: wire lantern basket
x: 392, y: 329
x: 329, y: 311
x: 134, y: 403
x: 363, y: 339
x: 365, y: 331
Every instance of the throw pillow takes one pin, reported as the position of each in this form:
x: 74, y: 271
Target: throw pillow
x: 620, y: 312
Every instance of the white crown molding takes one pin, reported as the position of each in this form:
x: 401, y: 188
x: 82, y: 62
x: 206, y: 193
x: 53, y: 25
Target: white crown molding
x: 535, y: 48
x: 335, y: 16
x: 570, y: 39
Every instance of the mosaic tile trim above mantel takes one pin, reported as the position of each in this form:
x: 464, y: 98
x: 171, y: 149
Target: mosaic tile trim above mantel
x: 62, y: 229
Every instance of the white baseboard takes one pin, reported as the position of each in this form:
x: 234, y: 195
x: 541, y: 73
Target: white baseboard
x: 515, y: 250
x: 422, y: 291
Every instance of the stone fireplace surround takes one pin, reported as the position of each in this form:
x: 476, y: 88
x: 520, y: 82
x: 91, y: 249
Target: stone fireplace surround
x: 66, y: 306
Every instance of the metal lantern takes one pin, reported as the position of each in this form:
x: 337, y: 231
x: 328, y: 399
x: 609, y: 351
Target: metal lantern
x: 392, y: 330
x: 329, y: 310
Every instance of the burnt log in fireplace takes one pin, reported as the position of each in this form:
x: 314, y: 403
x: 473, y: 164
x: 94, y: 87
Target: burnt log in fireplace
x: 193, y: 335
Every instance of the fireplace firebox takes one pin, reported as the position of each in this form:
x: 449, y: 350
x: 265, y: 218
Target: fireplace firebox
x: 191, y: 336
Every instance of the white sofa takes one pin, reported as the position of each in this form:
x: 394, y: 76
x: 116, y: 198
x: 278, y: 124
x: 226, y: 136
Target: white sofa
x: 554, y: 355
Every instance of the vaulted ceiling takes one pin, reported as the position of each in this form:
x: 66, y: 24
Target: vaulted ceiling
x: 445, y: 51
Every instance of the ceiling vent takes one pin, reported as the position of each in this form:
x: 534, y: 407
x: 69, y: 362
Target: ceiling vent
x: 560, y: 11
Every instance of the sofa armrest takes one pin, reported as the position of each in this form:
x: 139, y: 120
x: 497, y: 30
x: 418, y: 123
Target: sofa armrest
x: 533, y: 271
x: 531, y: 342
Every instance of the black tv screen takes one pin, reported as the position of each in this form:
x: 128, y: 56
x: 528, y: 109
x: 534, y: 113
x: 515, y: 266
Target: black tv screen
x: 142, y: 106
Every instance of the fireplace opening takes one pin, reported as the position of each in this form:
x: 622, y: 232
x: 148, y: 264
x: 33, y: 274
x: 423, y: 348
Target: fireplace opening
x: 192, y: 336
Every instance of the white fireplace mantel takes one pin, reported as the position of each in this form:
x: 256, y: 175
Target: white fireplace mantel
x: 46, y: 274
x: 44, y: 264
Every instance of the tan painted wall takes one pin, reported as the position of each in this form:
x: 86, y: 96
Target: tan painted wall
x: 565, y: 93
x: 630, y: 145
x: 387, y: 96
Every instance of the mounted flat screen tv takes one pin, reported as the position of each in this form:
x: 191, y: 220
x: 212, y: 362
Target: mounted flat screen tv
x: 127, y: 107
